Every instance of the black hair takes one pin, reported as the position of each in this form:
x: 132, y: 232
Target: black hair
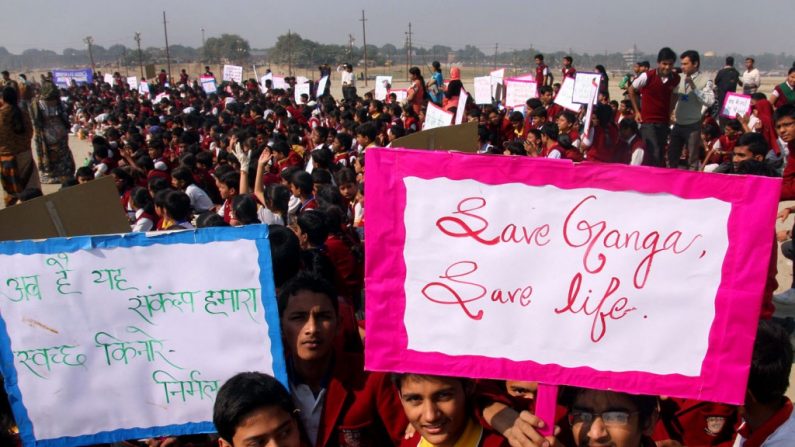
x: 756, y: 167
x: 644, y: 64
x: 398, y: 378
x: 323, y: 157
x: 243, y: 394
x: 124, y: 176
x: 231, y: 180
x: 142, y: 200
x: 550, y: 130
x: 756, y: 143
x: 545, y: 89
x: 771, y: 363
x: 734, y: 125
x: 157, y: 184
x: 515, y: 116
x: 11, y: 97
x: 628, y: 124
x: 416, y: 72
x: 177, y: 205
x: 692, y: 55
x: 564, y: 140
x: 711, y: 130
x: 306, y: 281
x: 398, y: 130
x: 321, y: 177
x: 785, y: 111
x: 539, y: 56
x: 346, y: 175
x: 569, y: 116
x: 245, y: 209
x: 303, y: 181
x: 758, y: 96
x: 666, y: 54
x: 84, y: 171
x: 285, y: 253
x: 277, y: 198
x: 210, y: 219
x: 368, y: 129
x: 516, y: 148
x: 313, y: 224
x: 730, y: 60
x: 568, y: 58
x: 183, y: 174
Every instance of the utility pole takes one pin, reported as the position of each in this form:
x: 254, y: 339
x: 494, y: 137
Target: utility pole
x: 90, y: 41
x: 202, y: 37
x: 496, y: 49
x: 410, y: 49
x: 140, y: 58
x: 364, y: 41
x: 168, y: 56
x: 406, y: 45
x: 289, y: 53
x: 351, y: 39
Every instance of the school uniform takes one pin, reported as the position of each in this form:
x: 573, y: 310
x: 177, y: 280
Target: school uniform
x: 784, y: 93
x: 553, y: 110
x: 552, y: 152
x: 143, y: 221
x: 655, y: 104
x: 355, y: 408
x: 631, y: 152
x: 603, y: 144
x: 778, y: 431
x: 542, y: 71
x: 570, y: 72
x: 696, y: 423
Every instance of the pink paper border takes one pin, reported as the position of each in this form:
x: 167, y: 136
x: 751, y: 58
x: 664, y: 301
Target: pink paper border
x: 726, y: 99
x: 750, y: 227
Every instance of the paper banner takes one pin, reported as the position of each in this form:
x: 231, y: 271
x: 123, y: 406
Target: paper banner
x: 462, y: 105
x: 735, y: 104
x: 139, y: 347
x: 435, y: 117
x: 382, y: 84
x: 400, y: 94
x: 321, y: 86
x: 107, y: 78
x: 299, y: 90
x: 483, y: 90
x: 233, y: 73
x: 517, y: 92
x: 62, y: 78
x: 208, y: 84
x: 586, y: 88
x: 564, y: 96
x: 132, y: 82
x: 569, y: 285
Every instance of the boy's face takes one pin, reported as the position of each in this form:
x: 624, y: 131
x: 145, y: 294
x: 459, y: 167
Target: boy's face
x: 538, y: 120
x: 336, y: 145
x: 605, y: 418
x: 526, y: 390
x: 362, y: 140
x: 309, y: 325
x: 225, y: 191
x: 268, y: 427
x: 786, y: 129
x: 435, y: 407
x: 742, y: 153
x: 546, y: 97
x: 563, y: 124
x: 81, y: 179
x: 295, y: 190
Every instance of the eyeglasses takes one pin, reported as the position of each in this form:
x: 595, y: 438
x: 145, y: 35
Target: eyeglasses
x: 611, y: 418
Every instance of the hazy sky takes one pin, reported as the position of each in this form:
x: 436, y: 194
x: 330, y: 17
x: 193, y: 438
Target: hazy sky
x: 584, y: 26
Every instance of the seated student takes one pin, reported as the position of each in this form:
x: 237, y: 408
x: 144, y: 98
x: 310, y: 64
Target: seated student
x: 630, y: 149
x: 365, y: 136
x: 570, y: 152
x: 244, y: 210
x: 714, y: 152
x: 441, y: 411
x: 768, y: 419
x: 567, y: 121
x: 227, y: 184
x: 602, y: 138
x: 84, y: 174
x: 549, y: 141
x: 341, y: 147
x: 183, y: 179
x: 610, y: 418
x: 513, y: 128
x: 253, y: 408
x: 538, y: 117
x: 750, y: 146
x: 144, y: 207
x: 177, y: 211
x: 340, y: 403
x: 301, y: 185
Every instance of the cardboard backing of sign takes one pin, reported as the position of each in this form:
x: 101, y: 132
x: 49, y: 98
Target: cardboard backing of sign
x: 82, y: 210
x: 462, y: 138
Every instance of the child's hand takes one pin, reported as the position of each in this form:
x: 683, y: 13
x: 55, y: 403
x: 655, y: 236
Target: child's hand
x: 265, y: 157
x: 783, y: 214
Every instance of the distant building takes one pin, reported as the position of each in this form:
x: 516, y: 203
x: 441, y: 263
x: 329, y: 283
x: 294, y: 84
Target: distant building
x: 631, y: 56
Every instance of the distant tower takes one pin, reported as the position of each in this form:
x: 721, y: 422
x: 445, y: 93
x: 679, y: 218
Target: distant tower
x: 631, y: 56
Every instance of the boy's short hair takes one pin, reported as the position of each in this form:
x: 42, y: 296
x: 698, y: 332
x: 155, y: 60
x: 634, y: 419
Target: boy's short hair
x: 545, y: 89
x: 644, y: 64
x: 177, y: 205
x: 346, y: 175
x: 785, y: 111
x: 85, y: 172
x: 306, y: 282
x: 367, y: 130
x: 756, y: 143
x: 243, y: 394
x: 321, y: 177
x: 692, y: 55
x: 771, y: 363
x: 539, y: 56
x: 666, y: 54
x: 313, y: 224
x: 303, y: 181
x: 323, y: 157
x: 628, y: 124
x: 231, y: 180
x: 398, y: 378
x: 285, y: 253
x: 550, y: 130
x: 345, y: 140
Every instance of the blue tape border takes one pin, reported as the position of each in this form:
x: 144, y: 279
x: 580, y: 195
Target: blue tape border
x: 257, y: 233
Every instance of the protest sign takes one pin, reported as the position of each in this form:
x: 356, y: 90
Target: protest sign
x: 62, y: 78
x: 301, y: 89
x: 496, y: 83
x: 589, y: 273
x: 321, y: 86
x: 435, y: 117
x: 586, y: 87
x: 233, y: 73
x: 400, y: 93
x: 143, y: 87
x: 90, y: 208
x: 159, y: 97
x: 382, y: 84
x: 263, y: 80
x: 107, y: 78
x: 482, y: 90
x: 279, y: 83
x: 462, y: 137
x: 463, y: 97
x: 301, y: 79
x: 132, y: 82
x: 208, y: 84
x: 565, y: 94
x: 735, y: 104
x: 139, y: 347
x: 517, y: 92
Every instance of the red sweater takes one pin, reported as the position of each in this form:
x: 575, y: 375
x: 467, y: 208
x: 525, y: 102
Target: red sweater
x: 655, y: 97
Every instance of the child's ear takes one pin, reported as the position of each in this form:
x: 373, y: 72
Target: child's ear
x: 223, y: 443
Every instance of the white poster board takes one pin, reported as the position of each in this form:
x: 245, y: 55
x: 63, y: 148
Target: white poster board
x: 208, y: 84
x: 301, y: 89
x: 565, y: 94
x: 462, y: 105
x: 497, y: 77
x: 132, y: 82
x: 435, y: 117
x: 159, y: 97
x: 279, y: 83
x: 400, y: 94
x: 382, y: 85
x: 586, y: 87
x: 143, y: 88
x: 735, y: 104
x: 101, y: 344
x: 107, y: 78
x: 482, y: 90
x: 517, y: 92
x: 233, y: 73
x: 321, y: 86
x: 301, y: 80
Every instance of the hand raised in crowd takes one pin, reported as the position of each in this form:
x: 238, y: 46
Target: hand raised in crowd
x: 520, y: 429
x: 265, y: 157
x: 242, y: 156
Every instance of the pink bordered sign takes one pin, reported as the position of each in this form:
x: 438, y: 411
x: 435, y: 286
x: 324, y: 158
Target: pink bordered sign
x: 634, y: 279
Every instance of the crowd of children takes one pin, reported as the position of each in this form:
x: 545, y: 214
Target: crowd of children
x: 252, y: 154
